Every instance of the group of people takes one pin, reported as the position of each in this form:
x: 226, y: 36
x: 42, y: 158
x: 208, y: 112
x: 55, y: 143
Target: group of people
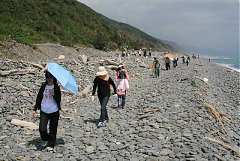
x: 186, y: 61
x: 48, y: 101
x: 156, y: 64
x: 141, y: 52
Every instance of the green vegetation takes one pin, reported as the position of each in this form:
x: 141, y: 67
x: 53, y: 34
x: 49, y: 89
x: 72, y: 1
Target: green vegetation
x: 69, y: 23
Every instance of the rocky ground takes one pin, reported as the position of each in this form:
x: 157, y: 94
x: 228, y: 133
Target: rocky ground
x: 166, y: 118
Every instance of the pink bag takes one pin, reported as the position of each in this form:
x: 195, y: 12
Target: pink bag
x: 122, y: 86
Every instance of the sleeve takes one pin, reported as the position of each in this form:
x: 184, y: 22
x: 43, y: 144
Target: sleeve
x: 39, y: 98
x: 116, y: 76
x: 127, y: 76
x: 94, y: 86
x: 113, y: 85
x: 58, y: 96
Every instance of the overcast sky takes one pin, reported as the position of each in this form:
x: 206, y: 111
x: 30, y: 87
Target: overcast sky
x: 210, y: 26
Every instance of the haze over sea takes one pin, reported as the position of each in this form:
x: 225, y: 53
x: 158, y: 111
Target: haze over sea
x: 210, y: 28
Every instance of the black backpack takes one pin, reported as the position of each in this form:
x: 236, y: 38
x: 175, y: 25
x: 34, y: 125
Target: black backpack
x: 122, y: 74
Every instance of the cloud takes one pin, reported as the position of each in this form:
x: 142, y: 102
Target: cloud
x: 202, y: 24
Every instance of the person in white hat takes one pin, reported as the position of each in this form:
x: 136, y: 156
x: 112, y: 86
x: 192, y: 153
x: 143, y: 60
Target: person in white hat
x: 102, y: 82
x: 122, y: 78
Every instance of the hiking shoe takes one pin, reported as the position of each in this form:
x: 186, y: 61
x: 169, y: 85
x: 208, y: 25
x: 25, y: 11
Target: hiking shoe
x: 50, y: 149
x: 105, y: 122
x: 101, y: 124
x: 43, y: 143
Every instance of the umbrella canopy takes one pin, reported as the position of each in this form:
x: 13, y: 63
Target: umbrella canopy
x: 63, y: 76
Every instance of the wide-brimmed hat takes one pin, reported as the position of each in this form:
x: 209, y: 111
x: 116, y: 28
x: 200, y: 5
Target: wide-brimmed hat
x: 101, y: 71
x: 121, y: 65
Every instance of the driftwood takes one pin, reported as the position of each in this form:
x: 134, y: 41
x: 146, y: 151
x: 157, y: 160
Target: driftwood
x: 147, y: 110
x: 144, y: 116
x: 66, y: 117
x: 17, y: 72
x: 85, y: 91
x: 84, y: 58
x: 205, y: 80
x: 39, y: 66
x: 143, y: 65
x: 108, y: 62
x: 227, y: 146
x: 29, y: 125
x: 112, y: 67
x: 219, y: 116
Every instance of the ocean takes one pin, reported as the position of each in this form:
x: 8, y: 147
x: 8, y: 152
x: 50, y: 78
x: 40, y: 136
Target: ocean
x: 228, y: 62
x: 233, y: 63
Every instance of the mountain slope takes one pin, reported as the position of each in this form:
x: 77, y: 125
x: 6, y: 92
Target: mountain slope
x: 68, y: 22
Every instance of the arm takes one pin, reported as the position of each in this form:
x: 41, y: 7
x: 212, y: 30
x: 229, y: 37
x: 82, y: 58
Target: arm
x: 94, y: 86
x: 127, y: 76
x: 116, y: 76
x: 39, y: 98
x: 57, y: 95
x: 113, y: 85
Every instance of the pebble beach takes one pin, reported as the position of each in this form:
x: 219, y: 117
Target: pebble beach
x: 176, y: 117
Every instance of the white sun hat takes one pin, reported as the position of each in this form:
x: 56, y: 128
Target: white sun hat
x: 101, y: 71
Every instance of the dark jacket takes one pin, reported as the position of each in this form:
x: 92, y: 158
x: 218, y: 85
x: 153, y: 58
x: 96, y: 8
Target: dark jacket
x: 56, y: 96
x: 103, y: 87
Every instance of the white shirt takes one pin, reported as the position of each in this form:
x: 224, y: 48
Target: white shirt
x: 48, y: 104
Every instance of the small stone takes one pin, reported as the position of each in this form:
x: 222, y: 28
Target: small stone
x: 165, y: 152
x: 90, y: 149
x: 59, y: 155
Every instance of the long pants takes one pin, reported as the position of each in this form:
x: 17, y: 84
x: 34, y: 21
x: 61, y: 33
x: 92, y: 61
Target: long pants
x: 121, y: 100
x: 103, y: 102
x: 156, y: 72
x: 167, y: 66
x: 53, y: 124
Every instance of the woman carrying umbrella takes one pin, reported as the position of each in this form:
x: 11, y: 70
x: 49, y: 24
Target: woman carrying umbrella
x: 102, y: 82
x: 48, y: 102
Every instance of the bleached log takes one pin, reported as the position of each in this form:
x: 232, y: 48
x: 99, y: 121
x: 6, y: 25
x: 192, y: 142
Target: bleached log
x: 84, y: 58
x: 205, y: 80
x: 112, y: 67
x: 147, y: 110
x: 143, y: 65
x: 17, y: 72
x: 108, y: 62
x: 227, y: 146
x: 29, y: 125
x: 85, y: 91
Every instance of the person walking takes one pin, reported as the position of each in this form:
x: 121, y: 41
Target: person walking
x: 167, y: 63
x: 102, y: 83
x: 156, y: 66
x: 183, y: 59
x: 188, y: 60
x: 174, y: 62
x: 122, y: 85
x: 48, y: 102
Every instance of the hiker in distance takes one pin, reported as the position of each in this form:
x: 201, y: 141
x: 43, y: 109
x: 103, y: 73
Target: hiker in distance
x: 102, y: 83
x: 188, y: 60
x: 48, y: 102
x: 122, y: 85
x: 156, y: 66
x: 167, y: 63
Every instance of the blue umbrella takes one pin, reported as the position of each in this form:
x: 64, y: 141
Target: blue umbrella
x: 63, y: 76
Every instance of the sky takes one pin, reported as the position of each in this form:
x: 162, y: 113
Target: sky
x: 210, y: 27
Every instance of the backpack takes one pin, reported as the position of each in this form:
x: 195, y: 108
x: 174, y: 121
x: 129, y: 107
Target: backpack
x: 122, y: 74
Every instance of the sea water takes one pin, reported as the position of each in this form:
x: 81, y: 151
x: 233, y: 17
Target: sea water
x: 228, y: 62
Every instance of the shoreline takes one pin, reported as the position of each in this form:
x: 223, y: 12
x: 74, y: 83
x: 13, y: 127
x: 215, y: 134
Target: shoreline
x: 228, y: 66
